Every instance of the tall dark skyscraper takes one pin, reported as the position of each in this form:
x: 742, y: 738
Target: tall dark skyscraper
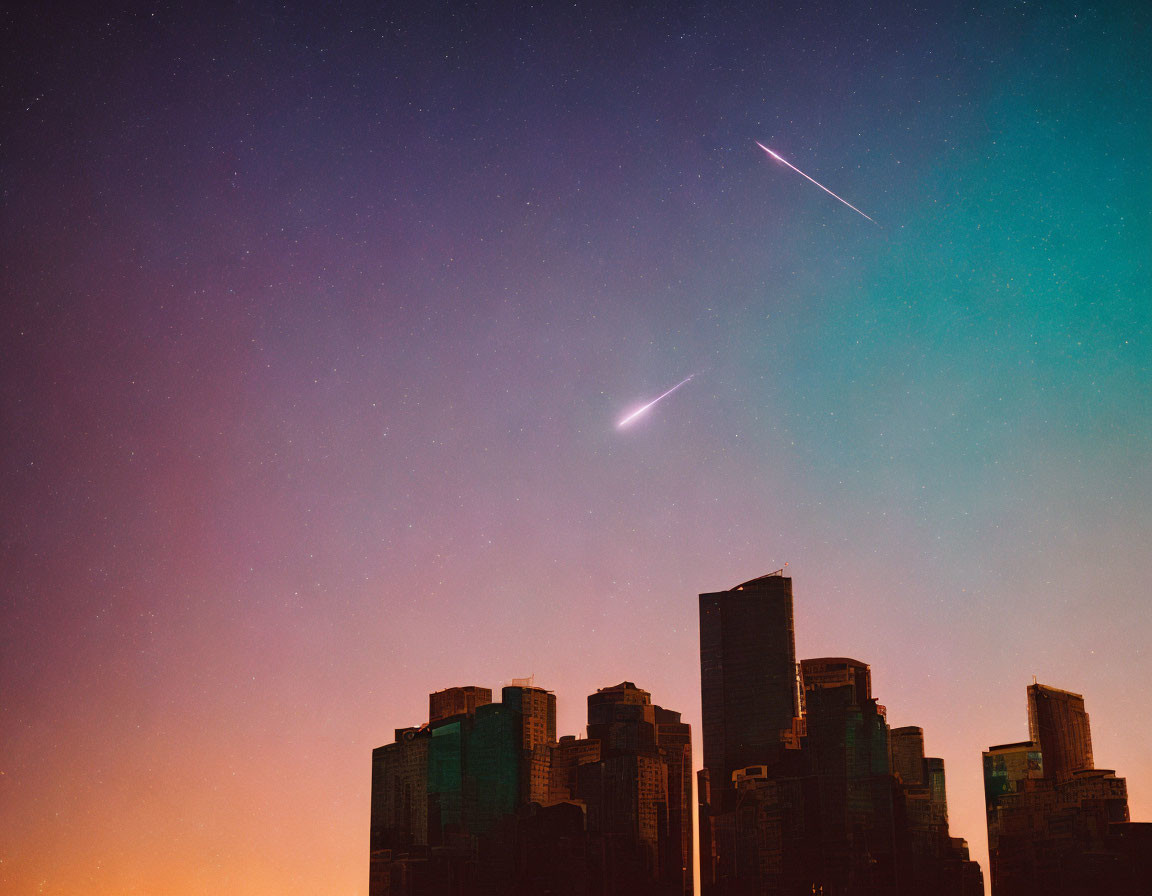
x: 1058, y: 722
x: 748, y: 676
x: 798, y: 795
x: 846, y: 753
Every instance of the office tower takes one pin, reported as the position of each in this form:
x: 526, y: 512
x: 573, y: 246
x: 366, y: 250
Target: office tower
x: 846, y: 750
x: 674, y: 739
x: 937, y: 792
x: 1058, y: 722
x: 455, y: 813
x: 748, y: 677
x: 638, y: 792
x: 493, y: 760
x: 537, y: 708
x: 399, y: 814
x: 928, y: 858
x: 444, y: 796
x: 622, y: 718
x: 750, y: 695
x: 446, y: 820
x: 567, y: 757
x: 797, y: 793
x: 1007, y: 768
x: 456, y: 701
x: 907, y: 748
x: 1057, y: 826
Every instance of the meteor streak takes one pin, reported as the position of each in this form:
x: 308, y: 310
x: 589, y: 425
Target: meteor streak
x: 640, y: 411
x: 820, y: 185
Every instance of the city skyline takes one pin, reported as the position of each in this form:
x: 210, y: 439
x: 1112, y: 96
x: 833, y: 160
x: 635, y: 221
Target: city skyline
x: 846, y: 799
x: 321, y: 321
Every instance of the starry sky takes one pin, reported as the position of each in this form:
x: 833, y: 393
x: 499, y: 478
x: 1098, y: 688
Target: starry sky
x: 319, y: 323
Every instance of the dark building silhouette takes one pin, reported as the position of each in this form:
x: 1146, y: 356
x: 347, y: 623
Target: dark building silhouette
x: 566, y: 759
x: 483, y: 800
x: 906, y: 746
x: 537, y: 708
x: 798, y: 793
x: 1058, y: 722
x: 399, y: 801
x: 639, y: 792
x: 846, y: 750
x: 456, y: 701
x: 674, y: 739
x: 748, y: 676
x: 1057, y: 826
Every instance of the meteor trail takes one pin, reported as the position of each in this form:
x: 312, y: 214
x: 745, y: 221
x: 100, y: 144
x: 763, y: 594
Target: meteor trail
x: 640, y: 411
x: 820, y: 185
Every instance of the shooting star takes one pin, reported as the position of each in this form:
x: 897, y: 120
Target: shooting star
x: 820, y: 185
x: 640, y: 411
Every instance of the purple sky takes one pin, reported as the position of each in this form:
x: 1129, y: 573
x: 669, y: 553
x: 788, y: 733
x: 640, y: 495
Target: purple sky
x: 319, y: 326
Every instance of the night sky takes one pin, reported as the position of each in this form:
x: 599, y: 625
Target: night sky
x: 318, y: 325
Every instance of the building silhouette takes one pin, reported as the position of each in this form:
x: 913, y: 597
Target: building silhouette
x: 907, y: 748
x: 749, y: 680
x: 798, y: 793
x: 456, y: 701
x: 1058, y: 723
x: 846, y: 751
x: 537, y: 708
x: 484, y: 800
x: 1056, y: 825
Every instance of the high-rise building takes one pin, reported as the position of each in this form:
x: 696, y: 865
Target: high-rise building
x: 937, y: 791
x: 639, y: 792
x: 1057, y: 826
x: 566, y: 758
x: 537, y: 708
x: 484, y: 801
x: 907, y: 748
x: 1058, y: 722
x: 456, y: 701
x: 399, y: 821
x: 751, y: 704
x: 797, y: 793
x: 674, y: 739
x: 846, y: 752
x: 748, y: 677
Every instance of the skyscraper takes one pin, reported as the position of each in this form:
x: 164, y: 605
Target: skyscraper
x: 748, y: 676
x: 846, y: 752
x: 1058, y: 722
x: 639, y: 792
x: 537, y: 708
x: 456, y: 701
x: 1056, y: 825
x: 484, y: 801
x: 797, y: 793
x: 907, y: 748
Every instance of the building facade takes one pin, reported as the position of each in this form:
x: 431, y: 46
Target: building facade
x: 1056, y: 825
x: 482, y: 800
x: 798, y: 794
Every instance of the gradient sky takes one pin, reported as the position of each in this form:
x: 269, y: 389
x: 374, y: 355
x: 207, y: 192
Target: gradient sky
x: 318, y: 326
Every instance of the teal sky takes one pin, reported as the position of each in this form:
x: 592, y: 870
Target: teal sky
x: 324, y: 320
